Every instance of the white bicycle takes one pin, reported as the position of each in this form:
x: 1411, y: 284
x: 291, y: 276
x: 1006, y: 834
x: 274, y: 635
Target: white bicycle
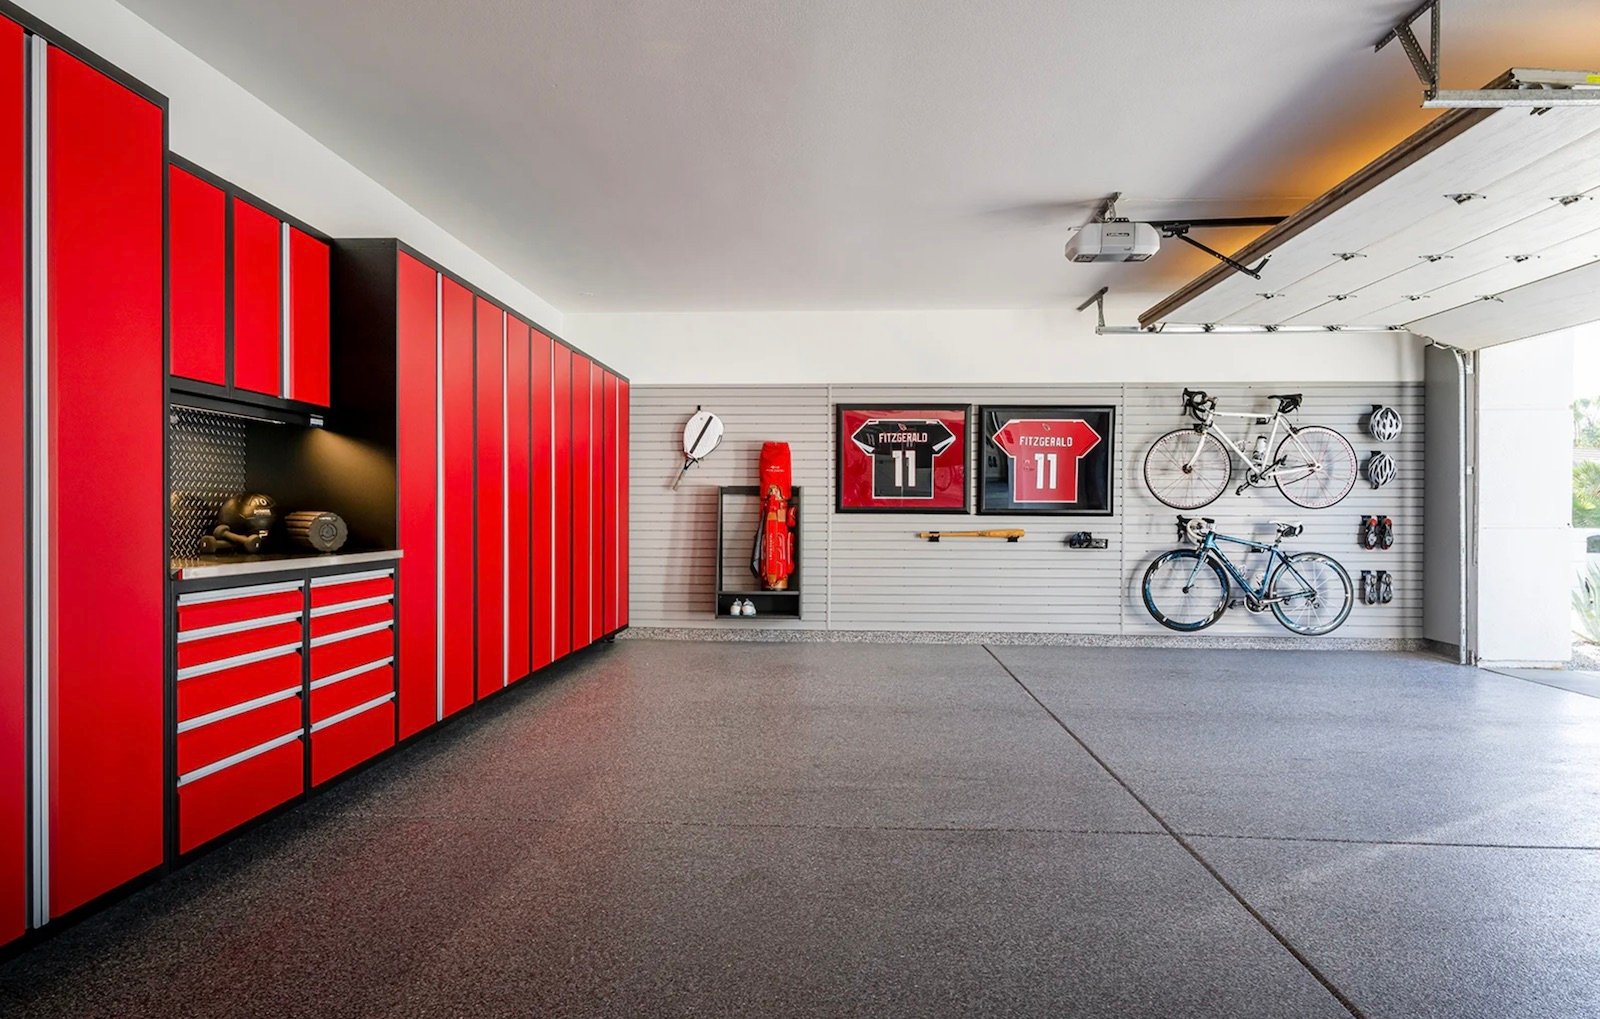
x: 1313, y: 466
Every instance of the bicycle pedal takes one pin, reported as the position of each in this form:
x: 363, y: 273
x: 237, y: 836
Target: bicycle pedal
x: 1233, y: 603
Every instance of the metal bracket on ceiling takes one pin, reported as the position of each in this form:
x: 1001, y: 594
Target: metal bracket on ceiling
x: 1180, y: 231
x: 1538, y: 90
x: 1425, y: 64
x: 1099, y: 302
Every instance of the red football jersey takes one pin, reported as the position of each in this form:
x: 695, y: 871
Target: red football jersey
x: 1044, y: 457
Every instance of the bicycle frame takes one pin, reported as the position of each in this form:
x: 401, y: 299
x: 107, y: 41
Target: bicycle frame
x: 1255, y: 593
x: 1256, y: 472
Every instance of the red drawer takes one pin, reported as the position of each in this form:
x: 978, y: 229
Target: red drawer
x: 202, y: 695
x: 343, y: 655
x: 345, y: 694
x: 350, y: 619
x: 231, y: 645
x: 237, y: 609
x: 343, y: 745
x: 326, y: 592
x: 214, y: 805
x: 216, y: 741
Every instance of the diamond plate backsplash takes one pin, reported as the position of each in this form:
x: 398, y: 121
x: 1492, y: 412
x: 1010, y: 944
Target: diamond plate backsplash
x: 207, y: 466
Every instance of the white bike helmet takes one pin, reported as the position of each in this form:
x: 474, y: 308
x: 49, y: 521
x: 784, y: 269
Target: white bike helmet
x: 1385, y: 423
x: 1381, y: 469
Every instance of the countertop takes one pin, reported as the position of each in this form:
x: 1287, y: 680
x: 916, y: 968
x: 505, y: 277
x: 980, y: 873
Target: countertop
x: 212, y: 566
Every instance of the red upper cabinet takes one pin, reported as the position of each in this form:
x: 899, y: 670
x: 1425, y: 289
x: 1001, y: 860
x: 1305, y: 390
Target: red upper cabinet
x: 251, y: 294
x: 104, y: 417
x: 198, y: 224
x: 307, y: 335
x: 257, y: 300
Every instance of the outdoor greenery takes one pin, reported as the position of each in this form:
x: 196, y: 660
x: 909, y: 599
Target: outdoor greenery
x: 1586, y: 603
x: 1586, y: 473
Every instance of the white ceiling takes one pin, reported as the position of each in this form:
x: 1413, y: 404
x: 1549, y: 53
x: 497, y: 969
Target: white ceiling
x: 713, y: 154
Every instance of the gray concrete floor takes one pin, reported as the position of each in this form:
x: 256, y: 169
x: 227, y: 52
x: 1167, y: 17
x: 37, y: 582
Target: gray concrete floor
x: 882, y: 830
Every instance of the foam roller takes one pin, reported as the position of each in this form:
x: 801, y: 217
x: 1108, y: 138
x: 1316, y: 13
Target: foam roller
x: 317, y: 530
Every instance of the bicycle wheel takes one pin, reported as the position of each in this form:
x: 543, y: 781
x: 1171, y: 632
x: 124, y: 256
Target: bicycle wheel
x: 1316, y: 594
x: 1184, y: 591
x: 1316, y: 467
x: 1187, y: 470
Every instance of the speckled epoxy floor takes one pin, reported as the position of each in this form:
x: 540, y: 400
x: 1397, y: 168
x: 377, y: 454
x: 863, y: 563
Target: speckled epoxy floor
x: 672, y: 828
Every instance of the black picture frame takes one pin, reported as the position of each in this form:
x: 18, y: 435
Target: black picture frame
x: 911, y: 409
x: 1095, y: 471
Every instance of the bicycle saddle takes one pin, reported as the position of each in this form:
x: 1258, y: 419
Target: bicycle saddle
x: 1287, y: 404
x: 1287, y: 529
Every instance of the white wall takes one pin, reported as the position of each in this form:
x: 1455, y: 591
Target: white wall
x: 1524, y: 484
x: 222, y: 127
x: 913, y: 347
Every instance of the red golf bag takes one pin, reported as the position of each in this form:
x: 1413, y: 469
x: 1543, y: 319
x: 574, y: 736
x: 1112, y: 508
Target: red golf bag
x: 772, y: 560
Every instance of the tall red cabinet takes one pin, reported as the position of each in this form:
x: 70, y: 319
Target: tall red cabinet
x: 82, y: 793
x: 509, y: 476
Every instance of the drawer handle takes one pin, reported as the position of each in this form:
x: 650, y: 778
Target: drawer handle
x: 350, y: 606
x: 235, y: 593
x: 238, y: 709
x: 349, y: 713
x: 224, y: 664
x: 350, y: 578
x: 350, y: 673
x: 239, y: 758
x: 243, y: 626
x: 360, y: 631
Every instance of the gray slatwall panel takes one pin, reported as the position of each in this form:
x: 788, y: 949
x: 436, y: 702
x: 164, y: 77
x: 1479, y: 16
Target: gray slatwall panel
x: 672, y: 572
x: 1151, y: 527
x: 869, y: 572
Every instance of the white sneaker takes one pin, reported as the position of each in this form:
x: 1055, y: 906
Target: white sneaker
x: 749, y: 607
x: 737, y: 608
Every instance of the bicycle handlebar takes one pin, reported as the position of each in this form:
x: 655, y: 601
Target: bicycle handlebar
x: 1197, y: 404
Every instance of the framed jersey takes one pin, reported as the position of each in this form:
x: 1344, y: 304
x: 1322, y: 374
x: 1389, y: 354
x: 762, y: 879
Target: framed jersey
x: 902, y: 459
x: 1046, y: 460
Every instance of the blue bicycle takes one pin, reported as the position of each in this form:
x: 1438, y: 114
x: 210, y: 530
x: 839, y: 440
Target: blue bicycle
x: 1188, y: 589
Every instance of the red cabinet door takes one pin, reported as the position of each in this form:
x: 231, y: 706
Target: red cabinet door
x: 104, y: 607
x: 198, y: 264
x: 308, y: 318
x: 519, y: 481
x: 561, y: 388
x: 417, y: 439
x: 257, y: 300
x: 491, y: 489
x: 624, y: 441
x: 542, y: 565
x: 13, y: 494
x: 608, y: 477
x: 457, y: 368
x: 582, y: 502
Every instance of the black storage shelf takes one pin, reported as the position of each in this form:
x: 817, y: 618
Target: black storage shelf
x: 769, y: 604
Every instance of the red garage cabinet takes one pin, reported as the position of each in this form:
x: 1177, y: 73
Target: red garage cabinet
x: 98, y: 428
x: 561, y: 530
x: 251, y: 301
x: 519, y: 509
x: 542, y: 560
x: 13, y: 490
x: 457, y: 368
x: 489, y: 530
x: 498, y: 430
x: 417, y: 502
